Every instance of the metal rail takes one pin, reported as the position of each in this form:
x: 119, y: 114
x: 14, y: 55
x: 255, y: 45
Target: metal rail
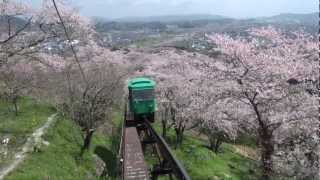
x: 134, y: 164
x: 131, y: 155
x: 169, y: 164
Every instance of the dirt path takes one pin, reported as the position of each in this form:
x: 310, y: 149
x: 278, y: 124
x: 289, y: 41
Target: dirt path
x: 27, y: 147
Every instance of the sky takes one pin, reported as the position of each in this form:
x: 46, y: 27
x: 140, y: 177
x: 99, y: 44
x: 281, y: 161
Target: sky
x: 231, y: 8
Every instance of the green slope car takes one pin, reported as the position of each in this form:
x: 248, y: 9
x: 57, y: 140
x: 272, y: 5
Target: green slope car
x: 142, y: 101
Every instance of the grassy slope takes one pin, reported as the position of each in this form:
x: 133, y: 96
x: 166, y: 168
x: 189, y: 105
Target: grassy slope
x: 151, y: 41
x: 60, y: 159
x: 31, y: 116
x: 203, y: 164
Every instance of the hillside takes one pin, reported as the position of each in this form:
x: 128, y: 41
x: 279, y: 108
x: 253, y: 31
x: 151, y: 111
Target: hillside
x: 310, y: 18
x: 202, y: 163
x: 17, y: 22
x: 59, y: 159
x: 305, y: 19
x: 171, y: 18
x: 146, y: 31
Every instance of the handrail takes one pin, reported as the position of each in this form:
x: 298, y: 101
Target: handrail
x: 168, y: 163
x: 175, y: 165
x: 120, y: 153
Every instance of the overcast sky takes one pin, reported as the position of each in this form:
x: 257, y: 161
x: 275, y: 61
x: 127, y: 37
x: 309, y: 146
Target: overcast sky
x: 231, y: 8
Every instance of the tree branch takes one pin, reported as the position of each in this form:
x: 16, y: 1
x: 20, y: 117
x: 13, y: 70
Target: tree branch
x: 17, y: 32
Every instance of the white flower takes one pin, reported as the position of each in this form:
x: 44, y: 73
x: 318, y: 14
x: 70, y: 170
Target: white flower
x: 5, y: 141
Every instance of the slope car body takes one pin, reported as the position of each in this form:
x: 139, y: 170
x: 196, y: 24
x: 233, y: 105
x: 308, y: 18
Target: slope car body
x: 142, y: 101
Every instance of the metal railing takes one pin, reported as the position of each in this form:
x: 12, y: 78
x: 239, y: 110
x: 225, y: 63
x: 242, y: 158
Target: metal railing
x: 168, y: 164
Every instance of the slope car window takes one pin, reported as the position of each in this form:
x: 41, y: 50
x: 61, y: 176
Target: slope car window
x: 146, y: 94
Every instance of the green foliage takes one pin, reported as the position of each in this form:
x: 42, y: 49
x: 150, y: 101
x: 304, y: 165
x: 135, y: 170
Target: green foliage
x: 203, y: 164
x: 151, y: 41
x: 146, y: 42
x: 245, y: 139
x: 61, y: 160
x: 17, y: 128
x: 31, y: 116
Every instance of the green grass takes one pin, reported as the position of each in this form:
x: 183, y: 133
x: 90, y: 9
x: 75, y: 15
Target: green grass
x: 203, y: 164
x: 31, y: 116
x: 245, y: 139
x: 60, y: 160
x: 151, y: 41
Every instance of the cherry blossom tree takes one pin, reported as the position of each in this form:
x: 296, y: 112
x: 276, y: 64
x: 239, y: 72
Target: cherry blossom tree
x: 16, y: 81
x: 220, y: 123
x: 177, y: 109
x: 164, y: 106
x: 78, y: 76
x: 87, y: 83
x: 262, y: 65
x: 175, y: 86
x: 22, y: 31
x: 255, y: 86
x: 19, y: 40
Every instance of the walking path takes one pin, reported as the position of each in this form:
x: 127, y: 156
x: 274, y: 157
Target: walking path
x: 27, y: 147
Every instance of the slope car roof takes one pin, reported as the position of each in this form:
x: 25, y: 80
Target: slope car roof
x: 141, y: 83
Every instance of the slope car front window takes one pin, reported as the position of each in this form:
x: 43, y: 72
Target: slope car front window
x: 146, y: 94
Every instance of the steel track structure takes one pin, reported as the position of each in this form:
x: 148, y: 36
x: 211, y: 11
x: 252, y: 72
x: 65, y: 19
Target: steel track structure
x: 136, y: 136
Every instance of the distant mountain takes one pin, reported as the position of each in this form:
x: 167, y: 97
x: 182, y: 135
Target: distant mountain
x: 310, y: 19
x: 290, y: 18
x: 15, y: 21
x: 171, y: 18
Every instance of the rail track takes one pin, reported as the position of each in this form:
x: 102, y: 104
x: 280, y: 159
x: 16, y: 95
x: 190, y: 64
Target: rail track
x: 136, y: 136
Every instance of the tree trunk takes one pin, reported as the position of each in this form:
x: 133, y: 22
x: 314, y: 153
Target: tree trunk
x: 179, y: 136
x: 15, y: 104
x: 265, y: 140
x: 178, y: 140
x: 164, y: 123
x: 266, y: 155
x: 164, y: 129
x: 211, y: 143
x: 217, y: 145
x: 87, y: 140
